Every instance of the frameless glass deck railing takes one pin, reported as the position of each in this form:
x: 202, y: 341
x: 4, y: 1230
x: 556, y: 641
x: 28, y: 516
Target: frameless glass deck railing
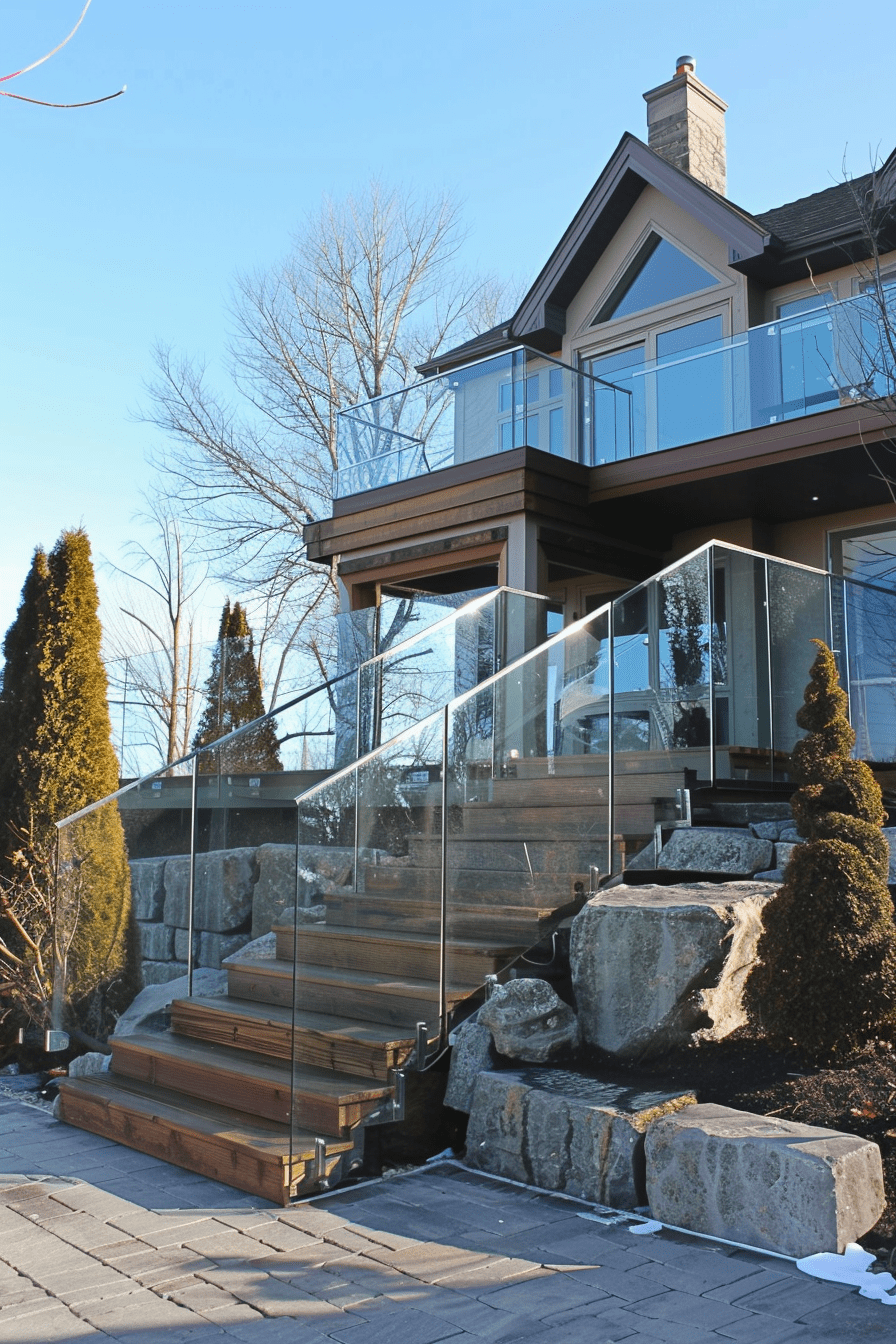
x: 521, y: 398
x: 211, y: 836
x: 834, y: 355
x: 472, y: 832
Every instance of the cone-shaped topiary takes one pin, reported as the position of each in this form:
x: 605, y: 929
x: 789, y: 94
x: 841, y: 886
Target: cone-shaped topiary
x: 57, y: 757
x: 826, y: 973
x: 233, y: 698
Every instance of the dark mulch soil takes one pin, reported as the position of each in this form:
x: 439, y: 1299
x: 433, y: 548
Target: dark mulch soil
x: 856, y: 1097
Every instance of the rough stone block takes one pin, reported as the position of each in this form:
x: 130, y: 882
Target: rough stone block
x: 783, y: 851
x: 224, y: 883
x: 529, y: 1021
x: 767, y: 830
x: 716, y: 850
x: 259, y: 949
x: 782, y: 1186
x: 149, y: 1011
x: 473, y: 1053
x: 182, y: 945
x: 275, y: 889
x: 561, y: 1131
x: 215, y: 947
x: 160, y: 972
x: 653, y: 965
x: 890, y: 833
x: 148, y: 888
x: 156, y: 941
x: 86, y: 1066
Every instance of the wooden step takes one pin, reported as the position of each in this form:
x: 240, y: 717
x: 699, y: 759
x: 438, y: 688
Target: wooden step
x: 499, y: 884
x: 366, y: 995
x: 537, y: 854
x: 364, y: 1049
x: 417, y: 954
x: 328, y: 1103
x: 524, y: 925
x: 215, y: 1141
x: 548, y: 823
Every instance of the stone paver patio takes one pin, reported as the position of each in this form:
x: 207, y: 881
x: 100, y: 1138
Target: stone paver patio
x: 98, y: 1242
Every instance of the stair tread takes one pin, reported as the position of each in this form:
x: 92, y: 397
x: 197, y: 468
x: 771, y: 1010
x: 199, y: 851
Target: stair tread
x: 308, y: 1078
x: 487, y: 946
x: 325, y: 1024
x: 326, y: 975
x: 265, y: 1138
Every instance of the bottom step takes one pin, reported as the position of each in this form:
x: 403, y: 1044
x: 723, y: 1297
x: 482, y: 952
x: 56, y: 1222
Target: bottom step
x: 214, y: 1141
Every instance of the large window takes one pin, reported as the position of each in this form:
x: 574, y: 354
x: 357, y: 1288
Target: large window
x: 659, y: 273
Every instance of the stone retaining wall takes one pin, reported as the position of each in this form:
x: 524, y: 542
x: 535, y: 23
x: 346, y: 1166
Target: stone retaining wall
x: 239, y: 894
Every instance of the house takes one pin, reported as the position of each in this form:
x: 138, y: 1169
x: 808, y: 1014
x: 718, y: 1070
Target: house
x: 708, y: 383
x: 681, y: 443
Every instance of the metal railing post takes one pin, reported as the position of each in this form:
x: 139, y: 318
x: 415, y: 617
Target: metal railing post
x: 611, y: 738
x: 710, y: 598
x: 443, y: 892
x: 771, y: 684
x: 191, y: 889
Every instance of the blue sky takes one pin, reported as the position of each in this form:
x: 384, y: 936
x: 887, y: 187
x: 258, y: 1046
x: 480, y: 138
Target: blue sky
x: 124, y: 224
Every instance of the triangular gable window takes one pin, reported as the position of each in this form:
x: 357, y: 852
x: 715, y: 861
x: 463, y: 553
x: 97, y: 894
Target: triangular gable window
x: 659, y: 273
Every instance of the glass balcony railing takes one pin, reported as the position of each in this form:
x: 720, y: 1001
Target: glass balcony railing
x: 521, y: 398
x: 834, y: 355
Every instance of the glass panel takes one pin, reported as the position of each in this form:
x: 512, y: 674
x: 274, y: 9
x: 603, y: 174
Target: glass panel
x: 80, y: 977
x: 662, y: 273
x: 740, y: 659
x: 618, y: 434
x: 690, y: 391
x: 798, y: 613
x: 527, y: 806
x: 369, y: 867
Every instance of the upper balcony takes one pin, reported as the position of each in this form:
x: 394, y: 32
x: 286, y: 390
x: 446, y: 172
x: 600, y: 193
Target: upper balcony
x: 836, y: 354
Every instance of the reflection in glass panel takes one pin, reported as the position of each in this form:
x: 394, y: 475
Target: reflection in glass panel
x: 868, y: 553
x: 618, y: 435
x: 690, y: 402
x: 661, y: 273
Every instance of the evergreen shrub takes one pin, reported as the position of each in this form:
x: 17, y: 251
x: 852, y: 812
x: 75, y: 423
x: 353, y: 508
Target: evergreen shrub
x: 825, y: 979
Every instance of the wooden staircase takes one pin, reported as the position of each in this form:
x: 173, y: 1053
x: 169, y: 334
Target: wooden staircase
x: 214, y: 1093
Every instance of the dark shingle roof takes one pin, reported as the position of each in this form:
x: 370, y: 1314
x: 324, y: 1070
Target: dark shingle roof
x: 830, y: 213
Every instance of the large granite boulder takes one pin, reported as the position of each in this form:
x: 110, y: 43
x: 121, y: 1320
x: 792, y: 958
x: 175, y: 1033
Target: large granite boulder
x: 716, y: 849
x: 472, y: 1053
x: 561, y: 1131
x: 786, y: 1187
x: 652, y: 965
x: 275, y: 890
x: 150, y: 1009
x: 529, y: 1021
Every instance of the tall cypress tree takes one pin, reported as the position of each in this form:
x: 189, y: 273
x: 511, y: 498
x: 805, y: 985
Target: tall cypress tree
x: 233, y: 698
x: 59, y: 758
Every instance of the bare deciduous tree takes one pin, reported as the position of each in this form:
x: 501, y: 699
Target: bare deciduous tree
x: 370, y: 289
x: 153, y: 649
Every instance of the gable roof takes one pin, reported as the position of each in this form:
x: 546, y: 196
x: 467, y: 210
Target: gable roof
x: 814, y: 234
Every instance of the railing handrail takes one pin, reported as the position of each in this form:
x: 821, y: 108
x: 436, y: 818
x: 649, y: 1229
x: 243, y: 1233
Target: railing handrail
x: 475, y: 363
x: 474, y: 604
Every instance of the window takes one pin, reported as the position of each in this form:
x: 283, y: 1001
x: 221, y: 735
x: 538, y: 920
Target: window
x: 530, y: 412
x: 866, y: 553
x: 659, y: 273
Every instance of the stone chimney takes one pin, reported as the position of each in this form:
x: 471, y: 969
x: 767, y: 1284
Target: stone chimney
x: 686, y: 125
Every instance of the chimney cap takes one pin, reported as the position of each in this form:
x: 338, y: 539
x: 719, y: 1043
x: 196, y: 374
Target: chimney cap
x: 685, y: 65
